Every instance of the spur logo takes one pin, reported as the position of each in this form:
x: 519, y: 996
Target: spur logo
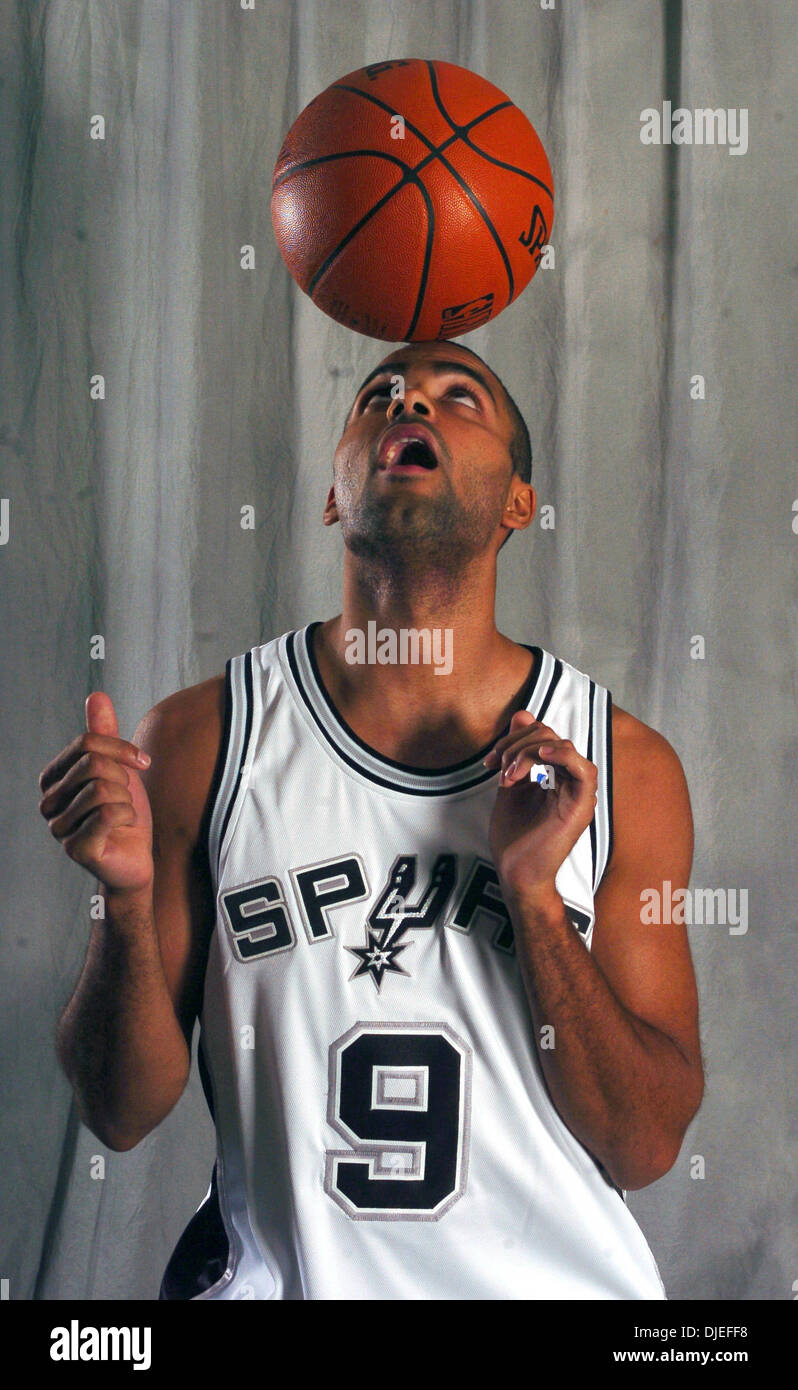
x: 262, y: 922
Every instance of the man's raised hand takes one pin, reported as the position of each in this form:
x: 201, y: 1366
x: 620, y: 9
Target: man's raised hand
x: 533, y: 830
x: 95, y: 803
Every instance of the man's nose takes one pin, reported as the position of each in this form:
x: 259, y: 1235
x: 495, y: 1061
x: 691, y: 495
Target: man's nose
x: 413, y: 400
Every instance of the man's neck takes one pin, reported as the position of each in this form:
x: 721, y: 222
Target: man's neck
x: 426, y: 687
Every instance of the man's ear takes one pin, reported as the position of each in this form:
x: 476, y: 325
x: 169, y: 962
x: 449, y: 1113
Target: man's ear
x: 330, y: 516
x: 521, y: 506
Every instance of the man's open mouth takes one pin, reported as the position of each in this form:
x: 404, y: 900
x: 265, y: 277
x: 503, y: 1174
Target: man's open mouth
x: 407, y: 449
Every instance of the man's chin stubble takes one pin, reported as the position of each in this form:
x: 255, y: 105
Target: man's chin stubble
x: 432, y: 540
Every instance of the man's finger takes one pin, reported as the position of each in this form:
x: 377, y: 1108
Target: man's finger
x: 100, y: 714
x: 89, y: 799
x: 118, y: 748
x: 560, y: 752
x: 89, y: 768
x: 517, y: 739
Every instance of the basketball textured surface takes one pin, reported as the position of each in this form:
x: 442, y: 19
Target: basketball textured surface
x: 411, y: 200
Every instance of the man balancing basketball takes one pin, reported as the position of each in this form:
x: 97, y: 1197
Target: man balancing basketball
x: 436, y: 1039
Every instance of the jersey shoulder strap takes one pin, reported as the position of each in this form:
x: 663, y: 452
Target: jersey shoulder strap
x: 237, y: 733
x: 583, y: 705
x: 599, y: 751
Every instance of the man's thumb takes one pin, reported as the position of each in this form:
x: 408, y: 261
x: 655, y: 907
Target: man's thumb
x: 100, y: 714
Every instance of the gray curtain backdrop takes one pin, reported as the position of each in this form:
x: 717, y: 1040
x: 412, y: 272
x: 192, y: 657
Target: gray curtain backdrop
x: 226, y: 387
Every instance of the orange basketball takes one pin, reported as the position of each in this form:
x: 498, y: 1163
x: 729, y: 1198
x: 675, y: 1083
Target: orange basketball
x: 412, y: 200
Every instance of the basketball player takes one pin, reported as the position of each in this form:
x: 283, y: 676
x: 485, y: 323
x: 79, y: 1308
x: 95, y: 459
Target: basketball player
x: 437, y: 1042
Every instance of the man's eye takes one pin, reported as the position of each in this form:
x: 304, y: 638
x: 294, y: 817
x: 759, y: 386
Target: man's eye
x: 464, y: 391
x: 374, y: 393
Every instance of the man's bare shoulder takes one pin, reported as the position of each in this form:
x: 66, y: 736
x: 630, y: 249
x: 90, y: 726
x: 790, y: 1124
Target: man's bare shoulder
x: 182, y: 734
x: 648, y: 780
x: 632, y: 738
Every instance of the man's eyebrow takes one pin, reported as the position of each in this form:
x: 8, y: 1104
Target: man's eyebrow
x: 438, y: 367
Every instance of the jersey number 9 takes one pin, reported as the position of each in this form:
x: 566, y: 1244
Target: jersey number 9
x: 400, y: 1096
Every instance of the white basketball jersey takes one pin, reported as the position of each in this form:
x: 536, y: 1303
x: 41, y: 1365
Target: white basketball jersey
x: 383, y: 1124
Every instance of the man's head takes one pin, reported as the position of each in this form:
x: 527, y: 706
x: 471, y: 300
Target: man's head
x: 470, y: 487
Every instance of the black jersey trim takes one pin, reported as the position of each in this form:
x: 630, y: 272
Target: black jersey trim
x: 392, y: 762
x: 305, y: 635
x: 242, y: 753
x: 608, y: 778
x: 358, y: 767
x: 600, y: 752
x: 218, y: 771
x: 590, y: 758
x: 552, y: 686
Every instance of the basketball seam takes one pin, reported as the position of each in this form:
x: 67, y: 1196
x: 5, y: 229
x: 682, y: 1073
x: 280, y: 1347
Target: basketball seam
x: 370, y: 213
x: 456, y: 131
x: 434, y: 152
x: 407, y: 182
x: 464, y: 133
x: 341, y: 154
x: 522, y: 173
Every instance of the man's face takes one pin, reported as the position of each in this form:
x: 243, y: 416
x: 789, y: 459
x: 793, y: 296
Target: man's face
x: 441, y: 499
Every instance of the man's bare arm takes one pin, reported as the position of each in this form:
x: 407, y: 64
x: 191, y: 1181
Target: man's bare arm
x: 625, y: 1072
x: 124, y: 1039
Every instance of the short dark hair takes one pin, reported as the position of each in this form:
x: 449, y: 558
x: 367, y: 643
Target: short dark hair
x: 520, y: 444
